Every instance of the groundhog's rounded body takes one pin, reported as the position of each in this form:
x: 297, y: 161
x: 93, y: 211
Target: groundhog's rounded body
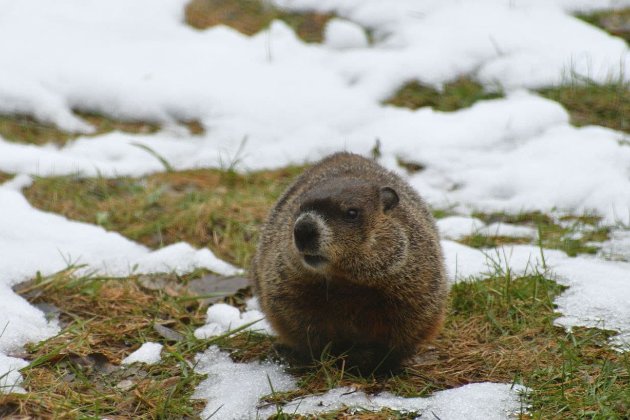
x: 349, y: 261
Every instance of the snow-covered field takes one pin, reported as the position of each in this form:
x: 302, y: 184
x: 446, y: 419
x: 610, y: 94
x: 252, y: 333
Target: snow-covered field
x: 271, y: 100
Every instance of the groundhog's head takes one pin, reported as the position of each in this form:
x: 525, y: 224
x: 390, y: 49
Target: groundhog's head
x: 350, y: 228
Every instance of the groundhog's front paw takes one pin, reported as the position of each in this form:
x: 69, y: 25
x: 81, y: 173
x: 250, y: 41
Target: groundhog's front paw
x: 370, y: 360
x: 289, y: 354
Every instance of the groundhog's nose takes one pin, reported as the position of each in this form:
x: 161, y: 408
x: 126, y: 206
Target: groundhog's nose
x: 306, y: 234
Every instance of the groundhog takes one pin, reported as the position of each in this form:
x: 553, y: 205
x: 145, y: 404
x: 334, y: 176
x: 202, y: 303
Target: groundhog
x: 349, y: 262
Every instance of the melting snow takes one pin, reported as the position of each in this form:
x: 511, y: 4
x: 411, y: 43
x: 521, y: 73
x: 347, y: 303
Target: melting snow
x: 456, y: 227
x: 148, y: 353
x: 617, y: 247
x: 478, y: 401
x: 34, y: 241
x: 56, y: 242
x: 221, y: 318
x: 343, y: 34
x: 10, y: 377
x: 233, y: 391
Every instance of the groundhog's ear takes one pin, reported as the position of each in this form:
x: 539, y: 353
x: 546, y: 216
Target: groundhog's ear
x: 389, y: 198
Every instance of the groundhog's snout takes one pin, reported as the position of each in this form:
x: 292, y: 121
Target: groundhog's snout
x: 306, y: 234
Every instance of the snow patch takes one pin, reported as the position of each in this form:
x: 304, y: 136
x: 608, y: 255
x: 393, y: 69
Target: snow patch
x: 617, y: 247
x: 221, y: 318
x: 10, y: 377
x: 456, y: 227
x: 233, y: 391
x: 56, y: 241
x: 477, y: 401
x: 20, y: 322
x: 342, y: 34
x: 597, y: 297
x: 148, y: 353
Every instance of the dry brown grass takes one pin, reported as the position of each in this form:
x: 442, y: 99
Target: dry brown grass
x: 351, y: 413
x: 77, y: 373
x: 499, y: 330
x: 552, y: 234
x: 482, y: 241
x: 25, y: 129
x: 5, y: 177
x: 251, y: 16
x: 458, y: 94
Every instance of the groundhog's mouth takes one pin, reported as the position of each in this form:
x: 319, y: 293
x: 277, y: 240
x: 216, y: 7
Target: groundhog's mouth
x: 314, y: 260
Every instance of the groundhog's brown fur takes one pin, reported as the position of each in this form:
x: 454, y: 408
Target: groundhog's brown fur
x: 360, y: 272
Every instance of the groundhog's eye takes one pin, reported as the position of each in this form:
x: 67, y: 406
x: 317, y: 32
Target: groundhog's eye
x: 352, y: 214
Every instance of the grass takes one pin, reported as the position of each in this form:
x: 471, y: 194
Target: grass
x: 615, y: 22
x: 498, y: 329
x: 75, y: 374
x: 218, y: 209
x: 458, y: 94
x: 25, y: 129
x: 573, y: 234
x: 252, y: 16
x: 4, y: 177
x: 571, y: 374
x: 477, y: 240
x: 352, y: 413
x: 589, y: 103
x: 410, y: 166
